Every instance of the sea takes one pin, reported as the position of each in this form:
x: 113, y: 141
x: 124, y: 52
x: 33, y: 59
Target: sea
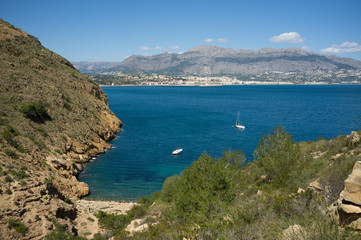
x: 158, y: 120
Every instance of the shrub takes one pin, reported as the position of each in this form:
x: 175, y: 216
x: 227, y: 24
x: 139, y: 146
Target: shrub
x: 67, y: 200
x: 19, y: 174
x: 60, y: 233
x: 49, y: 180
x: 9, y: 135
x: 57, y: 150
x: 8, y: 179
x: 22, y: 183
x: 17, y: 226
x: 11, y: 154
x: 170, y: 188
x: 278, y: 156
x: 112, y: 221
x: 98, y: 236
x: 138, y: 211
x: 36, y: 111
x: 204, y: 189
x: 42, y: 131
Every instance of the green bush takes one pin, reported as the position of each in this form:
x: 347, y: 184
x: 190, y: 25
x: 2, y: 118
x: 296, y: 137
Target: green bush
x: 42, y: 131
x: 49, y: 180
x: 19, y: 174
x: 170, y: 188
x: 98, y: 236
x: 36, y: 111
x: 278, y: 157
x: 204, y: 189
x: 112, y: 221
x: 11, y: 154
x: 58, y: 151
x: 17, y: 226
x: 138, y: 211
x: 67, y: 200
x: 8, y: 179
x: 60, y: 233
x: 9, y: 135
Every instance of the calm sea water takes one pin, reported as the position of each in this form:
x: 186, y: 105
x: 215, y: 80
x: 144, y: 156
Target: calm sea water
x: 158, y: 120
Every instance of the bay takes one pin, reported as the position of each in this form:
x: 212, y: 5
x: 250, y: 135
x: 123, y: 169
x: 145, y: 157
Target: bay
x: 158, y: 120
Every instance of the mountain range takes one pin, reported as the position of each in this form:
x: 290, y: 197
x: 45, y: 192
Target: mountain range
x: 218, y: 61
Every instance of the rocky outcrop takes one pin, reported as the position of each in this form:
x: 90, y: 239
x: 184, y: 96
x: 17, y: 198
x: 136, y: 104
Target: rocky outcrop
x: 349, y: 203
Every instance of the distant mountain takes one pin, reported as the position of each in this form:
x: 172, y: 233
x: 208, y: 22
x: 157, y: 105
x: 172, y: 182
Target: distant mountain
x: 93, y: 67
x: 215, y: 60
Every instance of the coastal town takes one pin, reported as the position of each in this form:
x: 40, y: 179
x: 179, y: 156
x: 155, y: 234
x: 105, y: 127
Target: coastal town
x: 343, y: 76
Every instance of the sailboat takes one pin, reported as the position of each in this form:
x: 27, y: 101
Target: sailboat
x: 238, y: 125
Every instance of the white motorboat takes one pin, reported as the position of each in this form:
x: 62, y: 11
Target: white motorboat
x: 177, y: 151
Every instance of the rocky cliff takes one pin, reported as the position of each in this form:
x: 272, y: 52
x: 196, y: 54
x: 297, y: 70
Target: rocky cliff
x: 52, y: 120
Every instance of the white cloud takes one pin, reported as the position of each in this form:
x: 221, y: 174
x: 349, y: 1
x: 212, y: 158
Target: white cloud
x: 174, y: 47
x: 288, y: 37
x: 158, y: 48
x: 349, y: 44
x: 144, y: 48
x: 222, y: 40
x: 346, y: 47
x: 209, y: 40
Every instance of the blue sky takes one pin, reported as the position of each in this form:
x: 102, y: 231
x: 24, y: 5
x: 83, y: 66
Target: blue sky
x: 110, y: 30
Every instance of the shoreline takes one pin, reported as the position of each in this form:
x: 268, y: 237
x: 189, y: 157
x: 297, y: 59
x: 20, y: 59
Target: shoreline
x: 220, y: 85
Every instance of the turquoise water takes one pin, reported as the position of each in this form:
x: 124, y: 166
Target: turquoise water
x: 158, y: 120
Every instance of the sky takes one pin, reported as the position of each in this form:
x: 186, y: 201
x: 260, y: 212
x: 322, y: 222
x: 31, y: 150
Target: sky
x: 110, y: 30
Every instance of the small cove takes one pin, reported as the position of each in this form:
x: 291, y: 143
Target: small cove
x: 158, y: 120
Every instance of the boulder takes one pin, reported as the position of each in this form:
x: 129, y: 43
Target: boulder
x: 78, y: 147
x: 316, y: 186
x: 348, y: 208
x: 136, y: 225
x: 352, y: 191
x: 349, y: 204
x: 355, y: 137
x: 83, y: 189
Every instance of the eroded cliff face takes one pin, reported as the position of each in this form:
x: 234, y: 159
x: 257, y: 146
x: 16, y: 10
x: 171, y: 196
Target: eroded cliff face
x: 52, y: 120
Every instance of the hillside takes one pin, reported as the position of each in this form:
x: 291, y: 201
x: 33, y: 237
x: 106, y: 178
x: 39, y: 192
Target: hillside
x: 218, y: 61
x: 52, y: 119
x: 307, y: 190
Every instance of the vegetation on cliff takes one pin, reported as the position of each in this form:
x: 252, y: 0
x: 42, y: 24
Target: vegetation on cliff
x: 228, y: 198
x: 52, y: 119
